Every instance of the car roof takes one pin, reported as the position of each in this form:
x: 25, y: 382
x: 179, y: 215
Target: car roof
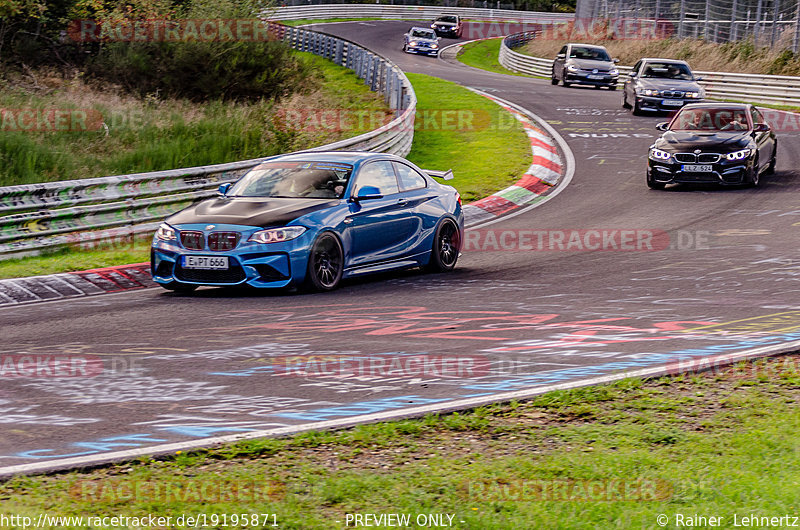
x: 419, y: 27
x: 350, y: 157
x: 718, y: 105
x: 586, y: 45
x: 661, y: 60
x: 446, y: 15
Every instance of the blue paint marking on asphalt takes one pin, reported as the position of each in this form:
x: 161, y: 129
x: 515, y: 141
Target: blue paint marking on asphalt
x: 567, y: 374
x: 358, y: 409
x: 102, y: 445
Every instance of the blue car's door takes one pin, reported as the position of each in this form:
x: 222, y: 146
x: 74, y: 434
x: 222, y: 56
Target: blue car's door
x: 424, y: 212
x: 378, y: 229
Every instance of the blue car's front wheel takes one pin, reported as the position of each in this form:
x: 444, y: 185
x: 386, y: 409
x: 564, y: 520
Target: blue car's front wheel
x: 325, y: 263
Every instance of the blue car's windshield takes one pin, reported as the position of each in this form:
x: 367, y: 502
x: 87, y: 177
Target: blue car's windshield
x: 323, y: 180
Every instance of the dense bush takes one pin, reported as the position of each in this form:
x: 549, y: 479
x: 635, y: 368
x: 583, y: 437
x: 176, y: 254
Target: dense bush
x: 202, y: 70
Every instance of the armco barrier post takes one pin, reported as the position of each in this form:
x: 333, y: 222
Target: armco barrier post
x: 339, y: 57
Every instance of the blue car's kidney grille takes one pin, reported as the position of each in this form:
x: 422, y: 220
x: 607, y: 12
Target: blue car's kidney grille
x: 193, y: 240
x: 221, y: 241
x: 234, y: 274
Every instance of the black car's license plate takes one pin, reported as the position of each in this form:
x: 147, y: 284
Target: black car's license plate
x: 695, y: 168
x: 205, y: 262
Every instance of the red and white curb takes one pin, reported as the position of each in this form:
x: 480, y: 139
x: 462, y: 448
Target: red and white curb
x: 75, y: 284
x: 542, y: 176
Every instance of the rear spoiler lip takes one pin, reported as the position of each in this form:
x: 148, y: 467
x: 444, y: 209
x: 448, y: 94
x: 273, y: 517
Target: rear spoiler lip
x: 446, y: 175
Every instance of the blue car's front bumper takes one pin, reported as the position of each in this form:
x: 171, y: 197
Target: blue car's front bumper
x: 272, y: 265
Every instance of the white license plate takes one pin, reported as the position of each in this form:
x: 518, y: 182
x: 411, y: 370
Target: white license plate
x: 205, y: 262
x: 590, y: 76
x: 672, y: 102
x: 692, y: 168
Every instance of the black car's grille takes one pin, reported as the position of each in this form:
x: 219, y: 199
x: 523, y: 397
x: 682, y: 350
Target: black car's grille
x: 702, y: 158
x: 221, y: 241
x: 699, y: 177
x: 708, y: 158
x: 193, y: 240
x: 234, y: 274
x: 672, y: 93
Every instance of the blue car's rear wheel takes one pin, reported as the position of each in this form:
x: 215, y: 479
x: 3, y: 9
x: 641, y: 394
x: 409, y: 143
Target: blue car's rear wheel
x: 446, y: 246
x: 325, y: 263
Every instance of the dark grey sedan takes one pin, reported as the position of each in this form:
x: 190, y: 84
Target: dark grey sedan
x: 660, y: 85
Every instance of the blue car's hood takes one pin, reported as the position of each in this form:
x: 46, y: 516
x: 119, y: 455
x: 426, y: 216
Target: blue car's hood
x: 250, y: 211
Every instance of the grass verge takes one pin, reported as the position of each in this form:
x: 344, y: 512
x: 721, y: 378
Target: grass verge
x: 483, y: 54
x: 71, y: 259
x: 452, y: 121
x: 719, y: 443
x: 152, y: 134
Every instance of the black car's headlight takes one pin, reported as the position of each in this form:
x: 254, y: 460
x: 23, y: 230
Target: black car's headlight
x: 647, y: 92
x: 166, y: 233
x: 658, y: 154
x: 572, y: 68
x: 739, y: 155
x: 693, y: 95
x: 277, y: 235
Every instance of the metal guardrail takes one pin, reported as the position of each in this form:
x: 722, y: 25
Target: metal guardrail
x: 753, y: 88
x: 35, y: 217
x: 324, y: 11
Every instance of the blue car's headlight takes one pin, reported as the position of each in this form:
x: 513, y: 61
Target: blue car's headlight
x: 166, y: 233
x: 738, y: 155
x: 277, y: 235
x: 412, y: 43
x: 434, y: 46
x: 658, y: 154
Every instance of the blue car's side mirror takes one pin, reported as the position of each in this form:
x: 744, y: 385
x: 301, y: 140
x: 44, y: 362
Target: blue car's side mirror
x: 368, y: 192
x: 223, y: 189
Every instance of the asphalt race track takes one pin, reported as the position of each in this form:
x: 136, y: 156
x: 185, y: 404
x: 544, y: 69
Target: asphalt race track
x: 703, y: 273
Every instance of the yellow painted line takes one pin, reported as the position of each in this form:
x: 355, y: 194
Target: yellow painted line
x: 756, y: 324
